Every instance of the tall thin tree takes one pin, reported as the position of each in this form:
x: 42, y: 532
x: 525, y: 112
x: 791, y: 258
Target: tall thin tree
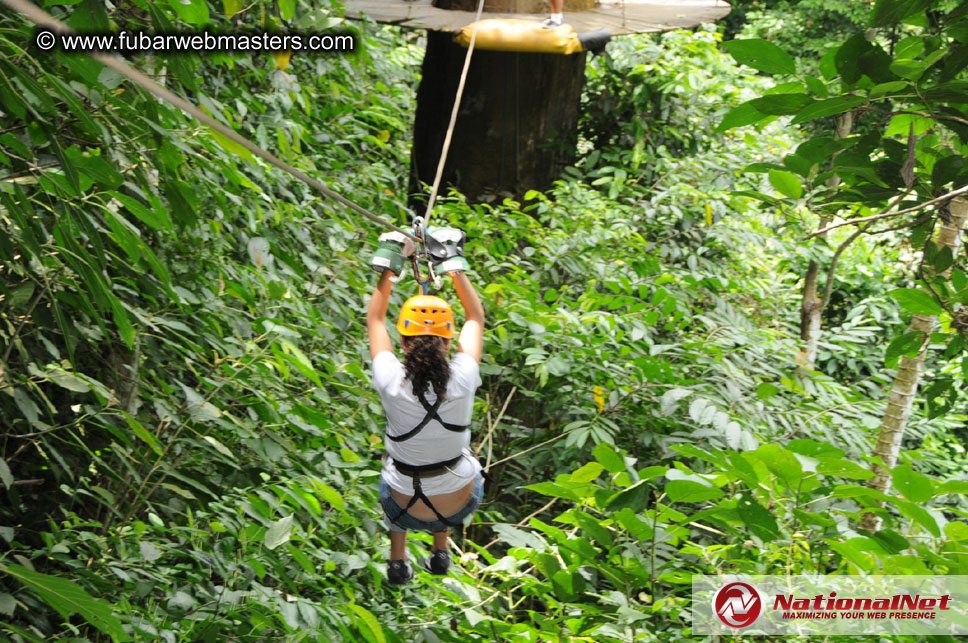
x: 905, y: 386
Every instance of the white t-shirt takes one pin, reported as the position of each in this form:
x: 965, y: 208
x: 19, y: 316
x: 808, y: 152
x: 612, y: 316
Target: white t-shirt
x: 433, y: 443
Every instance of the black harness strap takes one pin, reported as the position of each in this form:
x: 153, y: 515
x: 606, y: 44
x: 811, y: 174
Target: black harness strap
x: 432, y: 414
x: 414, y: 472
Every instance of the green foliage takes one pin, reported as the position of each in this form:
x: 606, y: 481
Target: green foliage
x: 188, y: 423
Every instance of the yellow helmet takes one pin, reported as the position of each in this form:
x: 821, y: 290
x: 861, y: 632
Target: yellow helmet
x: 426, y: 315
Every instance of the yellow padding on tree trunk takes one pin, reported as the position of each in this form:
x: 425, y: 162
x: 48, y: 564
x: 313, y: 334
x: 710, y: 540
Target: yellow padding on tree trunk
x: 513, y: 34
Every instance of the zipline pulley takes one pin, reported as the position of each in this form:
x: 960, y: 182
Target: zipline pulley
x: 420, y: 253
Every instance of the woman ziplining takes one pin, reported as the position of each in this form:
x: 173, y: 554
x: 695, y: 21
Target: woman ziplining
x: 430, y: 481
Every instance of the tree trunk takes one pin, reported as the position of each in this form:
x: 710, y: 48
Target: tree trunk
x: 516, y: 128
x: 811, y: 314
x: 811, y: 308
x: 901, y: 399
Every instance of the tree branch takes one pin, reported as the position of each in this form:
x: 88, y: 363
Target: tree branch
x: 884, y: 215
x: 832, y: 270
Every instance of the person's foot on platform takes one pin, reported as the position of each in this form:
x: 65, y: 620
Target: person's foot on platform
x: 553, y: 22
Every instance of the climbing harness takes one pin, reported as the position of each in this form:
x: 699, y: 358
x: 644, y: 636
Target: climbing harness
x: 423, y: 471
x: 431, y: 414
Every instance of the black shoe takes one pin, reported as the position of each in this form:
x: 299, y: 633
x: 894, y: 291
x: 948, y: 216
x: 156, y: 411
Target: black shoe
x: 399, y: 572
x: 438, y: 563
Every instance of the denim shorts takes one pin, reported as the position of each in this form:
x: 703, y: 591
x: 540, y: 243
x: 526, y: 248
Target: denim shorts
x: 406, y: 522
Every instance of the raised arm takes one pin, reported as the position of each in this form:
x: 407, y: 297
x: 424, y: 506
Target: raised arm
x: 471, y: 338
x: 376, y: 315
x: 389, y: 259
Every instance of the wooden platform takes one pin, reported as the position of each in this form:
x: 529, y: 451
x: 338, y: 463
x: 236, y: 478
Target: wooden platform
x: 619, y: 17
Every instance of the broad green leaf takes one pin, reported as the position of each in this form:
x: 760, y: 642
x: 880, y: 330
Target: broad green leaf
x: 200, y: 409
x: 766, y: 390
x: 851, y: 553
x: 888, y: 88
x: 786, y: 183
x: 690, y: 491
x: 756, y: 517
x: 6, y: 476
x: 890, y: 12
x: 121, y: 320
x: 908, y: 344
x: 149, y: 551
x: 848, y: 55
x: 781, y: 104
x: 594, y: 528
x: 157, y: 219
x: 26, y: 405
x: 919, y: 515
x: 639, y: 529
x: 371, y: 628
x: 69, y: 598
x: 287, y: 9
x: 139, y: 430
x: 612, y: 461
x: 587, y: 472
x: 952, y: 486
x: 762, y: 55
x: 7, y: 604
x: 915, y: 486
x: 635, y: 497
x: 232, y: 7
x: 221, y: 448
x: 814, y: 448
x: 279, y: 532
x: 299, y: 359
x: 330, y: 495
x: 66, y: 379
x: 857, y: 491
x: 567, y: 584
x: 516, y: 537
x: 828, y: 107
x: 194, y: 12
x: 781, y: 463
x: 549, y: 530
x: 909, y: 69
x: 20, y: 295
x: 843, y: 469
x: 917, y: 301
x: 230, y: 145
x: 892, y: 541
x: 745, y: 114
x: 809, y: 518
x: 555, y: 490
x: 943, y: 260
x: 957, y: 531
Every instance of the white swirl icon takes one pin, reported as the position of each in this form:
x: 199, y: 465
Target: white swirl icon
x: 46, y: 40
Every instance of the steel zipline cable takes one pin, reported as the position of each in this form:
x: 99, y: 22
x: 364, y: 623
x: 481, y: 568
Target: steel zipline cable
x: 453, y: 116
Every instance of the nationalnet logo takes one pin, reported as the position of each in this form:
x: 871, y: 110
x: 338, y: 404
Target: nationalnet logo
x: 737, y: 605
x: 830, y: 604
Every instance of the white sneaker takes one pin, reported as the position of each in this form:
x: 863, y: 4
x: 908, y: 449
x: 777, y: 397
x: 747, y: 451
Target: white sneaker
x: 550, y: 23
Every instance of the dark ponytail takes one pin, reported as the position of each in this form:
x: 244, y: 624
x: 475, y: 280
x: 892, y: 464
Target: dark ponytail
x: 426, y: 364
